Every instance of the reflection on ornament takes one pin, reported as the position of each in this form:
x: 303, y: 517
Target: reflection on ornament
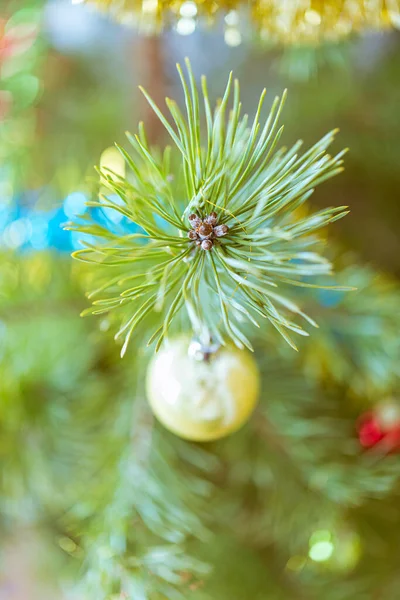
x: 202, y: 400
x: 297, y: 21
x: 388, y: 413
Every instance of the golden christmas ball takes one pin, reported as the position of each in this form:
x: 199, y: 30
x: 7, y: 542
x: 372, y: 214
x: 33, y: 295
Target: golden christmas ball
x: 294, y: 22
x: 202, y: 395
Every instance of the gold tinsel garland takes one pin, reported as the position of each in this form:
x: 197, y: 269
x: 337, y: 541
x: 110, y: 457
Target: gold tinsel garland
x: 282, y: 21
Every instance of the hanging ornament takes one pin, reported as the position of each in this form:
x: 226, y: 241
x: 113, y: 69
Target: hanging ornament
x: 380, y: 428
x: 199, y: 392
x: 298, y: 21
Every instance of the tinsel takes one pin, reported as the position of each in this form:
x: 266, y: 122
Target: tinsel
x: 282, y: 21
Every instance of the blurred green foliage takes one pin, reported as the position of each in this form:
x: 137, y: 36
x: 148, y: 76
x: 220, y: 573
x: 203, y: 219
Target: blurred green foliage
x: 126, y: 509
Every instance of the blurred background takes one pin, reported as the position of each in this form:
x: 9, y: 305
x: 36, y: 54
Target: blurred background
x: 69, y: 89
x: 69, y: 77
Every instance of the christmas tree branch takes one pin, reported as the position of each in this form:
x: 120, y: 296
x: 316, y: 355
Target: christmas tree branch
x: 214, y: 246
x: 77, y: 455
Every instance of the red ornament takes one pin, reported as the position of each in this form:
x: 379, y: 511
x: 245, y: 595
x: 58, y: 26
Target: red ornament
x: 375, y: 432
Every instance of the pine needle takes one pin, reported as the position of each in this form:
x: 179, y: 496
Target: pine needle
x: 255, y: 189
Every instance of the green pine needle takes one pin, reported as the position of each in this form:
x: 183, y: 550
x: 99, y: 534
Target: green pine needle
x: 257, y: 190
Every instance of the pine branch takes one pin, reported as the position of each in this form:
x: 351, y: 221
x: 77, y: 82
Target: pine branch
x: 137, y: 540
x: 301, y: 467
x: 132, y: 506
x: 358, y: 345
x: 221, y: 228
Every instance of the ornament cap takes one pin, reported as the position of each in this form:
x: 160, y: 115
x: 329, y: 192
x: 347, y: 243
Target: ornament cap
x: 202, y: 351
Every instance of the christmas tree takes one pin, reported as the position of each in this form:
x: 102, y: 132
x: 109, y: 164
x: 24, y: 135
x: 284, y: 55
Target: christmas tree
x: 225, y: 421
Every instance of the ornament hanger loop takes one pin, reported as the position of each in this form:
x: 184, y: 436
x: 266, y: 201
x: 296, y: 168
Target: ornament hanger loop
x: 203, y: 350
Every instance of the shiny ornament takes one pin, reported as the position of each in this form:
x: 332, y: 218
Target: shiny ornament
x: 380, y: 428
x: 202, y: 395
x: 294, y: 22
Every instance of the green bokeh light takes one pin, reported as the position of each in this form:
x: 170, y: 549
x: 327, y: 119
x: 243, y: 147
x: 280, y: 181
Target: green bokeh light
x: 321, y: 551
